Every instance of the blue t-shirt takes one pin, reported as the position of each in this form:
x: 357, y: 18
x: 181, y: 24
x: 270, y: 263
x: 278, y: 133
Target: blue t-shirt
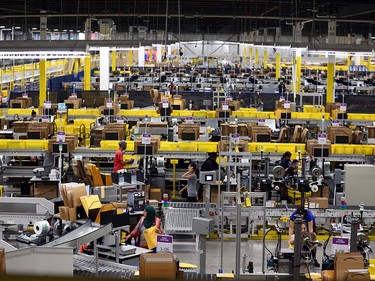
x: 308, y: 217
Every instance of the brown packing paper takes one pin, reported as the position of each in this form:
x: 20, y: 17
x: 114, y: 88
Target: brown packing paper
x: 64, y: 213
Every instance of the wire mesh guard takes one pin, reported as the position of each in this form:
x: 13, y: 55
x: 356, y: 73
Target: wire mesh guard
x: 180, y: 219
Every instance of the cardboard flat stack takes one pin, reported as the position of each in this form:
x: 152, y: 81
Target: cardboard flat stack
x: 370, y: 131
x: 71, y: 194
x: 357, y: 137
x: 228, y: 129
x: 233, y: 105
x: 161, y: 266
x: 155, y: 95
x: 223, y: 113
x: 21, y: 126
x: 297, y: 134
x: 188, y: 129
x: 339, y: 134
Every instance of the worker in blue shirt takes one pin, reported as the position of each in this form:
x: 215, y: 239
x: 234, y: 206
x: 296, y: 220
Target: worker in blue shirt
x: 308, y: 217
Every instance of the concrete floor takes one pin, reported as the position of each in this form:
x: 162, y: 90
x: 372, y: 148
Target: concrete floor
x: 251, y: 248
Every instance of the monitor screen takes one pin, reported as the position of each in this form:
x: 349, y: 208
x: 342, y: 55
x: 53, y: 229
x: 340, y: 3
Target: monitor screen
x: 342, y: 139
x: 176, y: 106
x: 111, y: 135
x: 209, y: 177
x: 318, y: 152
x: 224, y: 114
x: 141, y: 149
x: 286, y: 115
x: 108, y: 111
x: 188, y: 136
x: 124, y: 106
x: 55, y: 148
x: 34, y: 135
x: 342, y: 116
x: 70, y: 105
x: 263, y: 138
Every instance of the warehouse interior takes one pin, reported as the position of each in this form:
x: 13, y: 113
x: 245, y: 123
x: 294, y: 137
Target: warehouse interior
x: 187, y: 140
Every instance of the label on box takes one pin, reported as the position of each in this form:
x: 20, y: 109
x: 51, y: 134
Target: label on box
x: 225, y: 106
x: 189, y: 120
x: 165, y: 103
x: 120, y: 120
x: 261, y: 122
x: 45, y: 118
x: 343, y: 107
x: 335, y: 123
x: 73, y: 95
x: 340, y: 244
x: 125, y: 95
x: 286, y: 104
x: 48, y: 104
x: 230, y: 98
x: 322, y: 138
x: 109, y: 103
x: 25, y: 95
x: 146, y: 138
x: 235, y: 138
x: 164, y: 244
x: 281, y: 98
x: 60, y: 137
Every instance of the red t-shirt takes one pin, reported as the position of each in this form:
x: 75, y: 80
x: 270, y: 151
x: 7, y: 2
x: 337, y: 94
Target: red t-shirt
x: 117, y: 165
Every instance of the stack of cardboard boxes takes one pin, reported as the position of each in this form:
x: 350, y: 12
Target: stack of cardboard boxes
x: 188, y: 131
x: 160, y: 266
x: 153, y: 148
x: 112, y: 129
x: 233, y: 105
x: 259, y: 133
x: 20, y: 126
x: 370, y: 132
x: 312, y: 147
x: 71, y: 142
x: 21, y: 102
x: 178, y: 101
x: 339, y: 134
x: 39, y: 130
x: 350, y: 267
x: 242, y: 146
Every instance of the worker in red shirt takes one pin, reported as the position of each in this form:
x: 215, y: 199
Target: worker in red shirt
x: 119, y: 162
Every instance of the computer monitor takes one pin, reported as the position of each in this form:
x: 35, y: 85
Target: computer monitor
x: 176, y: 106
x: 141, y: 149
x: 188, y: 136
x: 111, y: 136
x: 342, y: 116
x: 263, y: 138
x: 286, y: 115
x: 342, y: 139
x: 165, y: 111
x: 34, y: 135
x: 69, y: 105
x: 108, y: 111
x: 124, y: 106
x: 318, y: 152
x: 224, y: 114
x: 55, y: 148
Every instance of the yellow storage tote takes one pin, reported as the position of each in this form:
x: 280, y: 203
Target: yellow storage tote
x: 17, y: 144
x: 168, y: 146
x: 37, y: 144
x: 187, y: 146
x: 363, y: 149
x: 4, y: 143
x: 207, y: 146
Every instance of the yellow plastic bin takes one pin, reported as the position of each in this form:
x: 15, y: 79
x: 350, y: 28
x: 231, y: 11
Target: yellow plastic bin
x: 207, y: 146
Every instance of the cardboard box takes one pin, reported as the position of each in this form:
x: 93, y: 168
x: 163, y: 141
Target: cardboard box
x: 45, y: 190
x: 71, y: 194
x: 129, y: 104
x: 222, y: 113
x: 312, y: 144
x: 318, y: 203
x: 2, y: 261
x: 188, y: 128
x: 20, y: 126
x: 358, y: 275
x: 75, y: 102
x: 233, y: 105
x: 155, y: 194
x: 242, y: 130
x: 162, y: 266
x: 333, y: 134
x: 332, y: 106
x: 370, y: 131
x: 259, y: 133
x: 328, y: 275
x: 17, y: 104
x: 64, y: 212
x: 154, y: 146
x: 297, y: 134
x: 345, y: 261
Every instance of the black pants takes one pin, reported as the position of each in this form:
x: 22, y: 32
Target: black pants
x: 200, y: 192
x: 191, y: 199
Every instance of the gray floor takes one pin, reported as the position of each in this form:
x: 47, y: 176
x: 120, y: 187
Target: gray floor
x: 251, y: 248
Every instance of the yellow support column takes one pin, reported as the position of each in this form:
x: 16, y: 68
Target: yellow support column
x: 256, y: 57
x: 87, y: 73
x: 151, y: 51
x: 349, y: 61
x: 42, y: 81
x: 298, y: 71
x: 264, y: 58
x: 130, y: 57
x: 330, y: 78
x: 278, y: 66
x: 251, y: 56
x: 114, y: 60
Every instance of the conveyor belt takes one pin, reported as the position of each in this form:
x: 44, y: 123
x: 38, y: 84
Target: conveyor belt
x: 190, y: 205
x: 82, y: 235
x: 84, y: 266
